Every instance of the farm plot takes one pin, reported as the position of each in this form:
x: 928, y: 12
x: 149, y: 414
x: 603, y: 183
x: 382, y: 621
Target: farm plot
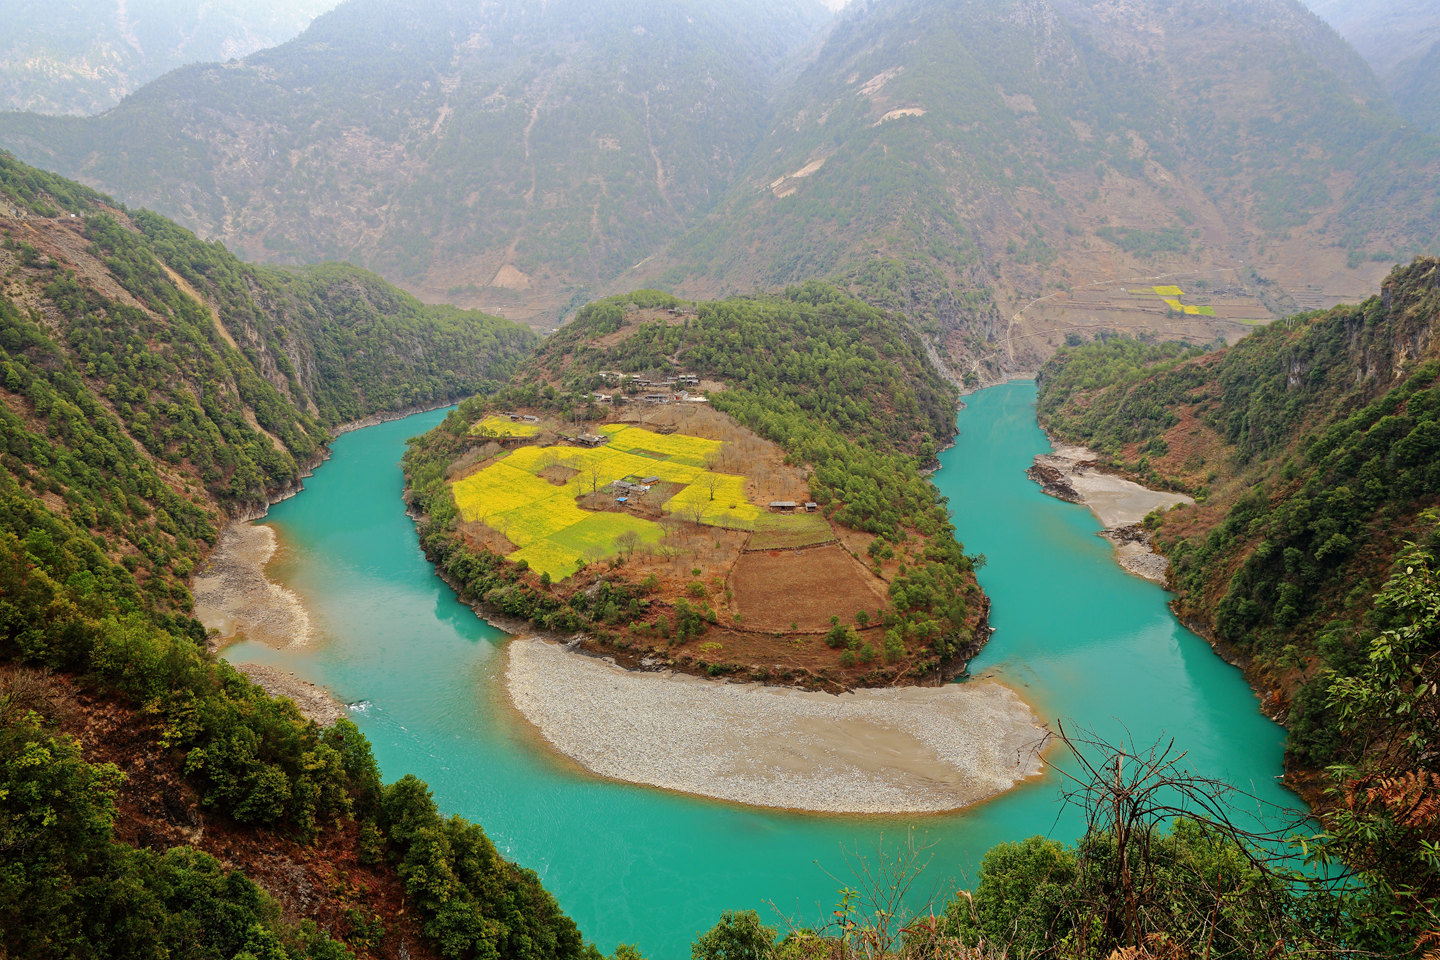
x: 1172, y: 294
x: 553, y: 533
x: 790, y: 532
x: 726, y: 506
x: 675, y: 447
x: 493, y: 426
x: 774, y: 589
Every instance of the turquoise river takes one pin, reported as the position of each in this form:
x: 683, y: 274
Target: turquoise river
x: 1082, y: 640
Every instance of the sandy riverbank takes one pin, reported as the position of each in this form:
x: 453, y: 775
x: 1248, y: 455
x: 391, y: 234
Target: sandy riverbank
x: 1071, y: 473
x: 897, y: 750
x: 234, y: 598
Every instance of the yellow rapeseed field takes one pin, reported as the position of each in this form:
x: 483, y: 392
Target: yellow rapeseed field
x: 496, y: 426
x: 549, y: 528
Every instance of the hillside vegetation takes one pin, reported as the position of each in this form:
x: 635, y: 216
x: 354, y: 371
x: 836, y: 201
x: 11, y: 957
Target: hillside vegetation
x: 954, y: 161
x: 828, y: 395
x: 132, y: 427
x: 509, y: 156
x: 1401, y: 40
x: 1314, y: 447
x: 83, y: 56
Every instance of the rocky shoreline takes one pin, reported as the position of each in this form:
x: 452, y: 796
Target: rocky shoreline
x: 234, y: 598
x: 897, y: 750
x: 1073, y: 474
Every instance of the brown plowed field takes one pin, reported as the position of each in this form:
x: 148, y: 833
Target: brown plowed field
x: 806, y: 587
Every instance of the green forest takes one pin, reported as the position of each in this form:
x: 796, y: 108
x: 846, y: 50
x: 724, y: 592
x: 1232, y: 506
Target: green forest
x: 1312, y: 552
x: 132, y: 429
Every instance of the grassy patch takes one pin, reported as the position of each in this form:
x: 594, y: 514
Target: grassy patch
x: 790, y: 532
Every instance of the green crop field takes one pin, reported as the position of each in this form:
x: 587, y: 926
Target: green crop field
x: 554, y: 534
x: 790, y: 532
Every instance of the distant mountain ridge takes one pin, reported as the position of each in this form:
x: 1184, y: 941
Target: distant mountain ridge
x: 509, y: 155
x: 1401, y: 40
x: 991, y: 154
x: 83, y: 56
x: 1005, y: 173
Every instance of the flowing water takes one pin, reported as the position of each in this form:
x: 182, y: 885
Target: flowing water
x: 1082, y: 640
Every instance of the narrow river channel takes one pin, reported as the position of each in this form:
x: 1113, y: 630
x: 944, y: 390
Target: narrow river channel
x: 1082, y: 640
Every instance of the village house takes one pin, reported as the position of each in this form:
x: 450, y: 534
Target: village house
x: 783, y: 506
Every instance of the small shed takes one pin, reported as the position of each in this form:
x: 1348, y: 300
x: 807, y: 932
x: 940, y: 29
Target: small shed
x: 811, y: 506
x: 647, y: 481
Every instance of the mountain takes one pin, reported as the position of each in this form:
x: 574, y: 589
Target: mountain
x: 962, y: 160
x: 1313, y: 448
x: 84, y: 56
x: 507, y: 155
x: 153, y: 802
x: 1004, y: 173
x: 1401, y: 40
x: 252, y: 367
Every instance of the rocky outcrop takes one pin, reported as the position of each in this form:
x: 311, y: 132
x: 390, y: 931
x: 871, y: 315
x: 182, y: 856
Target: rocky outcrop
x: 1135, y: 551
x: 1053, y: 481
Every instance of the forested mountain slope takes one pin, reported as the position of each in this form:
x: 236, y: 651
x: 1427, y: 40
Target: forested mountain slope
x: 960, y: 159
x: 508, y: 156
x: 1401, y: 40
x: 1314, y: 448
x: 230, y: 373
x: 1004, y: 172
x: 135, y: 421
x: 83, y: 56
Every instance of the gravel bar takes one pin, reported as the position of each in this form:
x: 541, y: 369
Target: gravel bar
x: 896, y: 750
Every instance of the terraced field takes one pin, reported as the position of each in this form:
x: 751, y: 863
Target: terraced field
x: 554, y: 534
